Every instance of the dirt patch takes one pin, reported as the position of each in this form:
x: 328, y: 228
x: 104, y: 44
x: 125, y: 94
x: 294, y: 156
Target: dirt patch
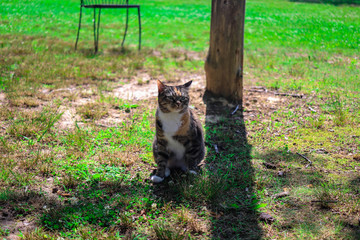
x: 68, y: 118
x: 146, y: 87
x: 15, y: 226
x: 2, y: 98
x: 135, y: 91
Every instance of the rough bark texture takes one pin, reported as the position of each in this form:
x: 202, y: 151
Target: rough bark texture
x: 224, y: 63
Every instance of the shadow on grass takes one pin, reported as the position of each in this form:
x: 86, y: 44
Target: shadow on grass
x: 229, y: 158
x: 225, y: 185
x: 313, y: 195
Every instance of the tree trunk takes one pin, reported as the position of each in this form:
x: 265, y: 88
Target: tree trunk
x: 224, y: 63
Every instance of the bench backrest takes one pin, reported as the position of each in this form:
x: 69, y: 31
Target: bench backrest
x: 104, y: 2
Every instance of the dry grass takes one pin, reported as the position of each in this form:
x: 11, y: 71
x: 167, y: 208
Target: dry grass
x: 93, y: 110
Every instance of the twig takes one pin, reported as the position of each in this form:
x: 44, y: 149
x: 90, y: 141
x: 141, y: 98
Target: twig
x: 310, y: 162
x: 258, y: 89
x: 289, y: 94
x: 237, y: 107
x: 102, y: 125
x: 327, y: 201
x: 311, y: 109
x: 63, y: 89
x: 255, y: 90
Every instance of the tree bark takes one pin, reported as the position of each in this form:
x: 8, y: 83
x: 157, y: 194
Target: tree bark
x: 224, y: 63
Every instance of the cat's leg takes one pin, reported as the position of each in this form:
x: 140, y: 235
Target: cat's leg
x: 160, y: 173
x: 161, y: 156
x: 194, y: 155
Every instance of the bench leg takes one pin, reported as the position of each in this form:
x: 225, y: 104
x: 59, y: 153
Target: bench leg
x: 126, y: 27
x: 96, y: 30
x: 139, y: 28
x: 78, y: 33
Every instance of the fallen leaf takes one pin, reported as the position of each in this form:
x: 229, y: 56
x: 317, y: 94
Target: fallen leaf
x: 64, y: 194
x: 266, y: 217
x: 280, y: 195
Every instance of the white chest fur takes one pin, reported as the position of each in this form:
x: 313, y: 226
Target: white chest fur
x: 171, y: 122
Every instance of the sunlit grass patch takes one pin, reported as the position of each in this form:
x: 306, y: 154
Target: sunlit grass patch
x: 190, y: 220
x: 205, y: 187
x: 33, y: 125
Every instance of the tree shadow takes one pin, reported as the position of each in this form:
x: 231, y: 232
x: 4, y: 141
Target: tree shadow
x: 225, y: 185
x: 229, y: 158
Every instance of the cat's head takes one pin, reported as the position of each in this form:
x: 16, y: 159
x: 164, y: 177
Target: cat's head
x: 173, y: 98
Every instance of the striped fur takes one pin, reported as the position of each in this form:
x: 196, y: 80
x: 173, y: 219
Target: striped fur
x: 179, y: 139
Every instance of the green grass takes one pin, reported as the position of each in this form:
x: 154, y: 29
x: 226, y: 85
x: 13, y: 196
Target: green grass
x: 76, y: 159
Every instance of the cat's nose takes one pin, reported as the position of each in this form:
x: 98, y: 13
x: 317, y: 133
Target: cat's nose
x: 178, y: 103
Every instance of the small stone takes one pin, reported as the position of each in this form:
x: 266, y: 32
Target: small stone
x: 281, y: 173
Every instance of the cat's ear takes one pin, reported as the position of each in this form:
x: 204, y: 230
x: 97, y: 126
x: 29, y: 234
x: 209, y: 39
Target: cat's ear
x: 161, y: 86
x: 187, y: 84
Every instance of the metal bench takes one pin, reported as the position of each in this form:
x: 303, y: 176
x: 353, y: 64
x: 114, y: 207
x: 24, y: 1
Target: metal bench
x: 99, y: 4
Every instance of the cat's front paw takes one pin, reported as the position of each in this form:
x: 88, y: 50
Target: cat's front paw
x: 193, y: 172
x: 156, y: 179
x: 167, y: 172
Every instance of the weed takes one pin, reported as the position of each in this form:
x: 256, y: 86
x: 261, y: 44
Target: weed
x: 341, y: 114
x: 4, y: 232
x: 34, y: 125
x: 323, y: 194
x: 125, y: 222
x: 165, y: 231
x: 189, y: 220
x: 70, y: 181
x: 316, y: 121
x: 6, y: 145
x: 93, y: 111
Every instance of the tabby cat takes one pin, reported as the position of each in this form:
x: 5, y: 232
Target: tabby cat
x: 179, y: 139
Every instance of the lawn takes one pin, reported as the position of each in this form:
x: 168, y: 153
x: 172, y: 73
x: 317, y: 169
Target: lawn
x: 76, y: 128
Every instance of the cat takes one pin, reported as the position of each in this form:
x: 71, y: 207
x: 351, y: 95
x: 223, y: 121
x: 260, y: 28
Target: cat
x: 179, y: 138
